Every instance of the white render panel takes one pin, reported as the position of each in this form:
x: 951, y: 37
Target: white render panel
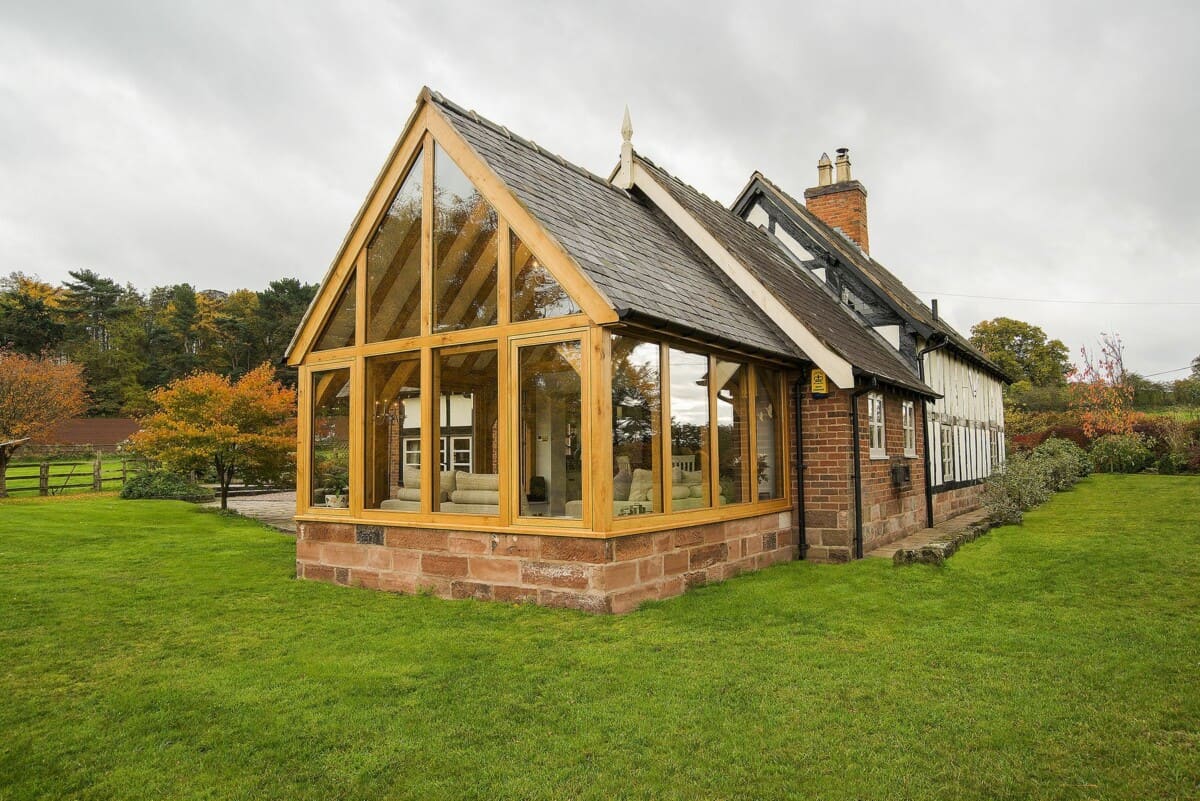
x: 891, y: 333
x: 972, y: 405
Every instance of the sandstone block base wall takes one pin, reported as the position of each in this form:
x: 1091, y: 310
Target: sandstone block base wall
x: 595, y: 575
x: 950, y: 503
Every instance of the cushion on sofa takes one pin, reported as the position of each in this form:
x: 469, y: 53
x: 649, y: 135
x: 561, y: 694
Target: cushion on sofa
x: 412, y: 481
x: 476, y: 481
x: 622, y: 482
x: 679, y: 491
x: 406, y: 493
x: 485, y: 497
x: 693, y: 477
x: 642, y: 485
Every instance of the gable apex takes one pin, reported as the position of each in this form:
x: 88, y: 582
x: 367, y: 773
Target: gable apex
x: 426, y: 127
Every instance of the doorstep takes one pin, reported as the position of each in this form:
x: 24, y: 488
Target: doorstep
x: 936, y: 545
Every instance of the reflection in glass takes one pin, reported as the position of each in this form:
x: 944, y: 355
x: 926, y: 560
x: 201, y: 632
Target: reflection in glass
x: 551, y: 441
x: 468, y: 418
x: 330, y: 455
x: 689, y: 430
x: 733, y: 431
x: 768, y: 420
x: 393, y: 433
x: 636, y: 427
x: 339, y: 327
x: 394, y: 264
x: 536, y: 295
x: 464, y: 250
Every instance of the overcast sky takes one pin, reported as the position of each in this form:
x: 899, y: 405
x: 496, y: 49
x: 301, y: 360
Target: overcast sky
x: 1034, y: 151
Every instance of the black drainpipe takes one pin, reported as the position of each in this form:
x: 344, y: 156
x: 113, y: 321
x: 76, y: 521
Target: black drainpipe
x: 803, y: 544
x: 854, y: 448
x: 925, y: 422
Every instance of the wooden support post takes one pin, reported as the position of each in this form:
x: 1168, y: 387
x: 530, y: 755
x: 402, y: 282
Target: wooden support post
x: 44, y: 478
x: 97, y: 481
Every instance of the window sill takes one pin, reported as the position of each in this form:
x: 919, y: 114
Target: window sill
x: 910, y: 454
x: 879, y: 455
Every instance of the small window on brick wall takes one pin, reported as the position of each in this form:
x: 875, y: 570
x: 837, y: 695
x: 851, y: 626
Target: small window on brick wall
x: 875, y: 422
x: 909, y: 423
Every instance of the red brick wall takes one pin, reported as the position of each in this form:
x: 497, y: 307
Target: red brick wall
x: 828, y: 478
x: 843, y: 206
x: 889, y: 513
x: 595, y: 575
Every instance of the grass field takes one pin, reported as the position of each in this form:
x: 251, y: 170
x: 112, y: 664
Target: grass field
x: 154, y: 650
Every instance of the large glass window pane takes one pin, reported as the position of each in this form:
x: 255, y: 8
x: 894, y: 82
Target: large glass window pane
x: 393, y: 433
x: 536, y: 295
x: 551, y: 443
x: 394, y: 264
x: 768, y: 418
x: 330, y: 454
x: 339, y: 327
x: 469, y: 426
x: 464, y: 250
x: 636, y: 427
x: 689, y: 430
x: 733, y: 432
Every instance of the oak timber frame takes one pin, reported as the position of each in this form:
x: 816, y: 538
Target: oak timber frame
x: 592, y: 328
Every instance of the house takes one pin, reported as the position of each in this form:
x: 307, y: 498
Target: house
x: 94, y: 433
x: 828, y: 235
x: 521, y: 381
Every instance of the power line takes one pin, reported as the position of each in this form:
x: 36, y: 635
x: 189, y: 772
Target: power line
x: 1164, y: 372
x: 1059, y: 300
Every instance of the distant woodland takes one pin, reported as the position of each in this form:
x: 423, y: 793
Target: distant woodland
x: 131, y: 342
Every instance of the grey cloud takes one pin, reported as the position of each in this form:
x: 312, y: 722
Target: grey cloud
x: 1018, y: 150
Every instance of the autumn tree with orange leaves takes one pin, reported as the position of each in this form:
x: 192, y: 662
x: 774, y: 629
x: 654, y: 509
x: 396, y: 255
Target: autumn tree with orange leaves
x: 239, y: 428
x: 1101, y: 393
x: 36, y: 393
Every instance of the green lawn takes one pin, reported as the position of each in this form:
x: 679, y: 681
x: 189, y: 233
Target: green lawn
x: 153, y: 650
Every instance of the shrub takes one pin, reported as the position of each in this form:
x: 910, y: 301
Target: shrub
x: 164, y: 485
x: 1023, y: 483
x: 1122, y: 453
x: 1065, y: 461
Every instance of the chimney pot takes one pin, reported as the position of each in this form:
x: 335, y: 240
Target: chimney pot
x: 840, y: 203
x: 824, y: 171
x: 843, y: 164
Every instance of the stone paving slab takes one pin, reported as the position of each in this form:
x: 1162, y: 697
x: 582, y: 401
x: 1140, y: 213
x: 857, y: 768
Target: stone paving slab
x: 276, y: 509
x: 936, y: 545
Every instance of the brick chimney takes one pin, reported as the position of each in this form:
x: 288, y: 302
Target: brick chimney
x: 841, y: 204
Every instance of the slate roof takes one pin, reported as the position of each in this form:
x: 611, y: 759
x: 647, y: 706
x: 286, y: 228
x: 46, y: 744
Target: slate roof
x: 644, y: 266
x: 905, y: 302
x: 809, y: 299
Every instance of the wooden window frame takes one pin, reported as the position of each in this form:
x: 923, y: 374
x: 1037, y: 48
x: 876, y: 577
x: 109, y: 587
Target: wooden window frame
x: 908, y: 424
x: 511, y: 488
x: 591, y: 327
x: 876, y: 420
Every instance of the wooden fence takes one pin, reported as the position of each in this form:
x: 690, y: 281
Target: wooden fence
x: 56, y: 478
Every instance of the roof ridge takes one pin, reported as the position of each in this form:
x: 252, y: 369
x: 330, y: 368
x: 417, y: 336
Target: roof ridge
x: 474, y: 116
x: 873, y: 264
x: 680, y: 181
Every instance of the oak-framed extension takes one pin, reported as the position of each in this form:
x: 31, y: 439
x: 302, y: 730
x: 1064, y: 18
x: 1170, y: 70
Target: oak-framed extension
x: 488, y: 292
